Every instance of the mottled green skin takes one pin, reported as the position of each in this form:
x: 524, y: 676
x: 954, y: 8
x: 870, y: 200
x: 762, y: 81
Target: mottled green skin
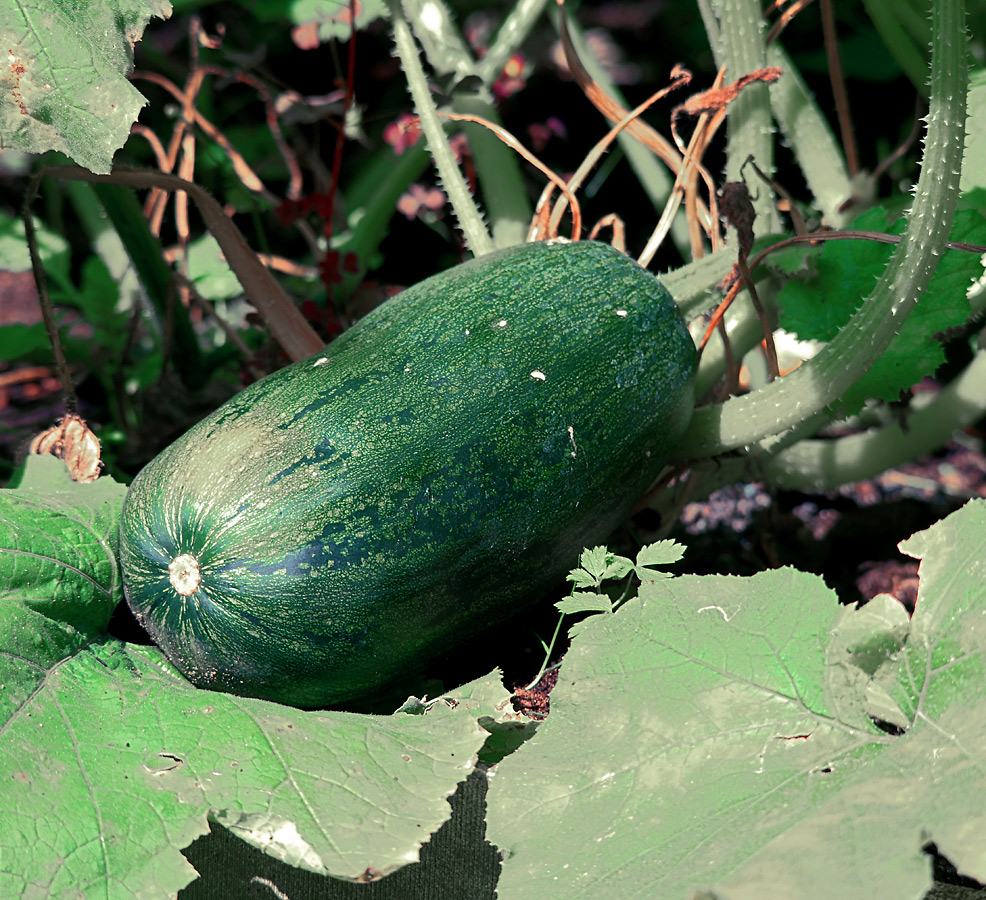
x: 355, y: 513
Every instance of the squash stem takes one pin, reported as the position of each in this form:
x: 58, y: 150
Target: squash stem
x: 806, y: 130
x: 513, y: 32
x: 820, y: 382
x: 821, y: 465
x: 748, y: 120
x: 470, y: 220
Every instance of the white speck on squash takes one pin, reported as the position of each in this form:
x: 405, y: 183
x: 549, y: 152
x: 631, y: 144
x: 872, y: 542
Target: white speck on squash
x: 501, y: 324
x: 538, y: 375
x: 622, y: 313
x: 185, y: 574
x: 321, y: 361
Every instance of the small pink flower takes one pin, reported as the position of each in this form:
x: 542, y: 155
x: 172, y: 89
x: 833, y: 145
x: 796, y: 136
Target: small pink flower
x: 419, y: 200
x: 403, y: 132
x: 305, y: 36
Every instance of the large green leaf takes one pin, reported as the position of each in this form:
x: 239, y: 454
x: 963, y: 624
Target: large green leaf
x: 719, y: 734
x: 117, y: 762
x: 112, y: 762
x: 65, y: 75
x: 59, y: 578
x: 844, y: 272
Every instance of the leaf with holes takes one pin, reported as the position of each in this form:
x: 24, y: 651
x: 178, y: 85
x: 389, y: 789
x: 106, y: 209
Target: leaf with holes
x: 117, y: 762
x: 59, y: 578
x: 112, y: 762
x: 64, y: 76
x: 721, y: 733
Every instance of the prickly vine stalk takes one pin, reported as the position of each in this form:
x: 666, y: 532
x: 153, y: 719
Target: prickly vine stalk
x: 821, y: 382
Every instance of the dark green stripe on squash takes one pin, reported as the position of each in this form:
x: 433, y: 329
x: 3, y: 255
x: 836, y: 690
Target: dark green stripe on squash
x: 438, y: 467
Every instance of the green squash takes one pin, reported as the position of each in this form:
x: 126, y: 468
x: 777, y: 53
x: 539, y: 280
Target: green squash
x: 434, y: 470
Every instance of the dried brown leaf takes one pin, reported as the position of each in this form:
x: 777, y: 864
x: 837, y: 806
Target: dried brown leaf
x: 72, y: 441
